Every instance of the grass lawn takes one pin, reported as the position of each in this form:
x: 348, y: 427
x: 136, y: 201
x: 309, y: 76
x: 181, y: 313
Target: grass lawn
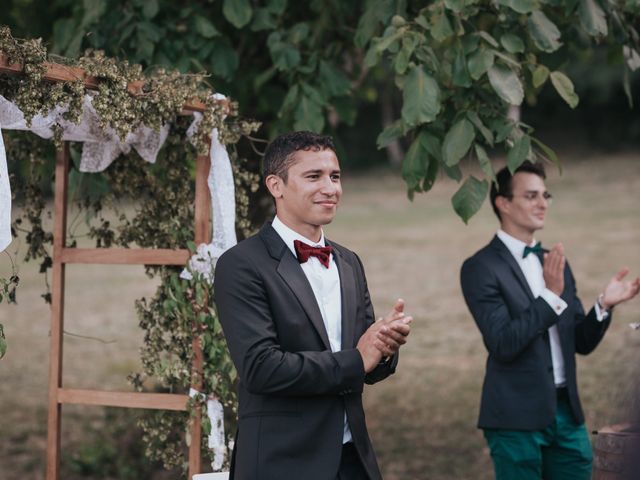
x: 422, y: 420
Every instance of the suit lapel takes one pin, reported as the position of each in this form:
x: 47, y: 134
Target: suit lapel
x: 347, y: 297
x: 291, y: 272
x: 502, y: 250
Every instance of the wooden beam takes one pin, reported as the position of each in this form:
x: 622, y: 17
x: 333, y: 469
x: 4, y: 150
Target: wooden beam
x: 156, y: 401
x: 57, y: 312
x: 202, y: 235
x: 125, y: 256
x: 65, y: 73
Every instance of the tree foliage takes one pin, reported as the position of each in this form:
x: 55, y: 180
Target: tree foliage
x: 456, y: 65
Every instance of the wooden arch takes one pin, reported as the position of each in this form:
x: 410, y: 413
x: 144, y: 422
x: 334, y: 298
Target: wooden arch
x: 63, y: 255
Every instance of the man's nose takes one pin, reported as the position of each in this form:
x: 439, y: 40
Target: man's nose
x: 329, y: 187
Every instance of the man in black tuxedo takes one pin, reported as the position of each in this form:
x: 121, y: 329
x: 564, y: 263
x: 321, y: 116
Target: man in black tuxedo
x: 299, y: 323
x: 524, y: 302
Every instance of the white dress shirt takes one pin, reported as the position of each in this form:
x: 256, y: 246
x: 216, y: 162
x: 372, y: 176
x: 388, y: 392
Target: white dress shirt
x: 325, y: 283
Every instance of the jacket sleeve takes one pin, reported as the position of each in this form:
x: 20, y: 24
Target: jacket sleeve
x: 263, y: 366
x: 504, y: 336
x: 384, y: 368
x: 588, y: 329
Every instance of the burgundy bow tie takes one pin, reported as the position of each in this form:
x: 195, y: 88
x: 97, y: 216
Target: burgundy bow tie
x: 304, y: 251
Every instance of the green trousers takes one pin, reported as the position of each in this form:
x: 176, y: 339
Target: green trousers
x: 562, y: 451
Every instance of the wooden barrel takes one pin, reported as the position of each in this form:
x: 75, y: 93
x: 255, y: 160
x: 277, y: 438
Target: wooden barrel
x: 616, y: 453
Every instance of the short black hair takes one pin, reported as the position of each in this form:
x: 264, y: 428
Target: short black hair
x: 504, y: 179
x: 279, y: 154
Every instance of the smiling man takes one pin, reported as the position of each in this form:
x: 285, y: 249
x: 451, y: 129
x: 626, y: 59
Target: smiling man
x: 524, y: 301
x: 300, y: 327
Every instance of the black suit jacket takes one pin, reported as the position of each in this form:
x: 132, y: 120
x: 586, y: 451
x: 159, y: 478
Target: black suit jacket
x: 519, y: 391
x: 293, y: 391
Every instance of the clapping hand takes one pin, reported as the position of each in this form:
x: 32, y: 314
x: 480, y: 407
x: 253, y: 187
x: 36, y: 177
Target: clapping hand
x: 394, y: 329
x: 618, y: 290
x: 384, y: 337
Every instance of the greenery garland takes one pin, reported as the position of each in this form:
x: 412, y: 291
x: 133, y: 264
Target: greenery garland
x: 164, y: 196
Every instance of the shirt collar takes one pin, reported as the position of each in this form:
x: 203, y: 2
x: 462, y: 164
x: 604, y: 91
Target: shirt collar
x: 515, y: 246
x: 288, y: 235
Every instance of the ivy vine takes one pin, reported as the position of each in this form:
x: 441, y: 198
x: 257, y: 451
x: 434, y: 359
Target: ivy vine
x: 163, y: 193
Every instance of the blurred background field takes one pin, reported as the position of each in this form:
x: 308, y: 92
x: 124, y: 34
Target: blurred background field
x: 422, y: 420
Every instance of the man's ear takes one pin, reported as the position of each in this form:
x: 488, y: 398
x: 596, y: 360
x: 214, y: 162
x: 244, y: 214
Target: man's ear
x: 274, y: 184
x: 502, y: 203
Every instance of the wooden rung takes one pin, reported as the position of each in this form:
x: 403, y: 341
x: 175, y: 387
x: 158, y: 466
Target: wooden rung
x: 156, y: 401
x: 125, y: 256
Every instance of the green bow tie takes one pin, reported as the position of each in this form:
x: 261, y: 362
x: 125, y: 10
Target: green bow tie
x: 537, y: 248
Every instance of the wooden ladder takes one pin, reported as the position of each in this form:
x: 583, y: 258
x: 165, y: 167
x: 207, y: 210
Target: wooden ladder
x: 62, y: 255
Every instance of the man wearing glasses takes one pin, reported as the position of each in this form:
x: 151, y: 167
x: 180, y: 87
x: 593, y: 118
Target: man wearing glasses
x: 523, y: 299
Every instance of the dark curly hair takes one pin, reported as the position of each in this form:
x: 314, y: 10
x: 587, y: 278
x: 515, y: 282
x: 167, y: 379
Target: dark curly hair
x: 280, y: 153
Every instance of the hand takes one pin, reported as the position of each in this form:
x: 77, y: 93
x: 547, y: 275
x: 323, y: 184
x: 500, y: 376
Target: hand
x: 618, y: 291
x: 553, y: 269
x: 369, y: 346
x: 393, y: 333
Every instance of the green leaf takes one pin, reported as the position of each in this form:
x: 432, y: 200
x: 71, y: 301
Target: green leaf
x: 290, y: 99
x: 204, y: 27
x: 237, y: 12
x: 367, y: 27
x: 440, y: 26
x: 469, y: 197
x: 484, y: 131
x: 512, y: 43
x: 457, y: 142
x: 298, y: 33
x: 485, y: 162
x: 520, y: 6
x: 461, y: 76
x: 539, y: 76
x: 333, y: 80
x: 308, y: 116
x: 544, y: 32
x: 150, y: 9
x: 263, y: 19
x: 453, y: 172
x: 390, y: 133
x: 284, y: 55
x: 420, y: 98
x: 224, y: 59
x: 403, y: 57
x: 455, y: 5
x: 506, y: 84
x: 3, y: 346
x: 564, y: 87
x: 488, y: 38
x: 277, y: 7
x: 592, y: 18
x: 414, y: 165
x: 390, y: 37
x: 548, y: 153
x: 519, y: 152
x: 479, y: 62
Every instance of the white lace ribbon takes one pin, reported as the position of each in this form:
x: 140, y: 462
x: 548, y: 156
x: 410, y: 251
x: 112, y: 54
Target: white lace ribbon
x: 223, y: 202
x: 215, y: 440
x: 5, y: 198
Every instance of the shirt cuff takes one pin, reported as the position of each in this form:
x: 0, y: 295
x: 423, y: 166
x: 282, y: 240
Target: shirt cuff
x: 601, y: 315
x: 555, y: 302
